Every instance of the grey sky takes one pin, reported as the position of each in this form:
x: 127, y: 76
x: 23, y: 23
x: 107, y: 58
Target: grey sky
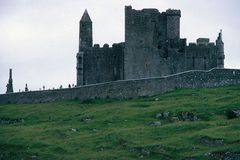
x: 39, y: 38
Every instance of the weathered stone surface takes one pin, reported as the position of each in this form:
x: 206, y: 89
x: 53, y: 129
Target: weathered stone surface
x: 182, y: 116
x: 152, y: 48
x: 10, y: 83
x: 155, y: 124
x: 212, y: 142
x: 11, y: 120
x: 231, y: 114
x: 224, y: 155
x: 130, y: 88
x: 147, y: 151
x: 163, y: 115
x: 187, y: 116
x: 174, y: 119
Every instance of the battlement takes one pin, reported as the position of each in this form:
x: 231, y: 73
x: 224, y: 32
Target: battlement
x: 100, y: 64
x: 150, y: 10
x: 169, y: 12
x: 105, y: 49
x: 105, y: 46
x: 143, y: 12
x: 173, y: 12
x: 202, y: 42
x: 96, y: 46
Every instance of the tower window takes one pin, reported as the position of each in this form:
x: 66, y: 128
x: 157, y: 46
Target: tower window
x: 80, y: 60
x: 205, y: 63
x: 115, y: 72
x: 193, y: 62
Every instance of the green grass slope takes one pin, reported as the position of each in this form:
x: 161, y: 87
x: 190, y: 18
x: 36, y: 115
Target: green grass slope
x: 125, y: 129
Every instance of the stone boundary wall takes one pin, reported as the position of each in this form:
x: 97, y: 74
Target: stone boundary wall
x: 130, y: 88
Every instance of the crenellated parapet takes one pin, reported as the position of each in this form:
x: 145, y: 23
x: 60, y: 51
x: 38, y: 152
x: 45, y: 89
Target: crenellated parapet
x: 173, y: 12
x: 205, y: 54
x: 99, y: 64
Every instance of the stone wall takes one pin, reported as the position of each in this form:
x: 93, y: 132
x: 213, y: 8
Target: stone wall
x: 130, y: 88
x: 201, y: 56
x: 152, y: 48
x: 173, y: 23
x: 145, y: 37
x: 96, y: 65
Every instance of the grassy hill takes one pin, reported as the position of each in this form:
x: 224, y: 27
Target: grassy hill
x: 184, y: 124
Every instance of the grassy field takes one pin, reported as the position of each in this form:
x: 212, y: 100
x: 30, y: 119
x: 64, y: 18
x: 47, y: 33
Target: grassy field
x: 125, y: 129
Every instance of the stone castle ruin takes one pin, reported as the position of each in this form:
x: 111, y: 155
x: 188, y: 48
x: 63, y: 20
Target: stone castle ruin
x: 152, y: 60
x: 152, y: 48
x: 10, y: 83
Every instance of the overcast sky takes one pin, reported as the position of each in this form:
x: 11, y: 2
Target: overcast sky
x: 39, y: 38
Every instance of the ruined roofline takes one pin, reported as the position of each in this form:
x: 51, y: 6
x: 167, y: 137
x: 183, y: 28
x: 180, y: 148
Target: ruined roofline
x: 168, y: 12
x: 206, y: 41
x: 201, y: 42
x: 194, y: 44
x: 107, y: 46
x: 173, y: 12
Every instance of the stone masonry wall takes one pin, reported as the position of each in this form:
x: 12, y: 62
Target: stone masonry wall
x: 130, y: 88
x: 145, y: 30
x: 101, y: 64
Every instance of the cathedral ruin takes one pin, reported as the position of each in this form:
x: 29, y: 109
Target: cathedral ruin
x: 152, y: 48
